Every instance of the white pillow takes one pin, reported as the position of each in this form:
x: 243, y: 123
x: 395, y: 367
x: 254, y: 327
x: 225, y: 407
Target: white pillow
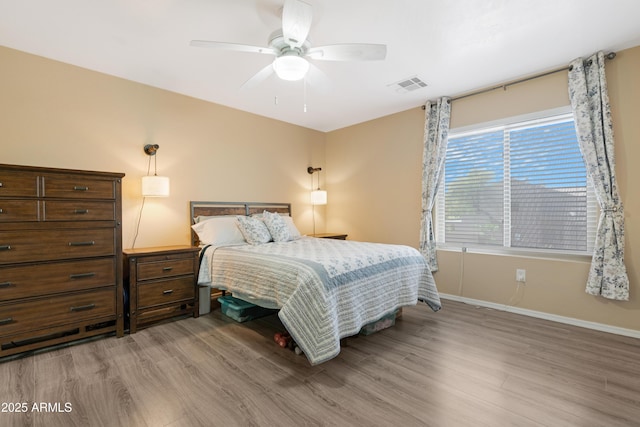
x: 201, y: 218
x: 277, y: 227
x: 254, y: 230
x: 294, y: 234
x: 218, y: 231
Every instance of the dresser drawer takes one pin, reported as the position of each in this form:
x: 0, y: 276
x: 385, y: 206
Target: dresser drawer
x: 44, y: 279
x: 166, y: 268
x: 59, y: 310
x: 166, y: 291
x: 78, y: 188
x: 80, y: 210
x: 18, y: 210
x: 35, y: 245
x: 18, y: 184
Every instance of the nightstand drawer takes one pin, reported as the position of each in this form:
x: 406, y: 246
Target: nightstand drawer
x: 18, y: 210
x: 166, y: 291
x: 44, y: 279
x: 78, y: 188
x: 166, y: 268
x: 79, y: 210
x: 60, y: 310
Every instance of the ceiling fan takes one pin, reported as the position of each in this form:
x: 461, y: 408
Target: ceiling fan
x: 291, y: 47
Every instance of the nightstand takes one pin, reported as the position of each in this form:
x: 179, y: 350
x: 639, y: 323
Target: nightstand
x: 330, y: 236
x: 161, y: 283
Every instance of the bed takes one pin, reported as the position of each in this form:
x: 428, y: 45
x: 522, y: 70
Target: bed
x: 324, y: 289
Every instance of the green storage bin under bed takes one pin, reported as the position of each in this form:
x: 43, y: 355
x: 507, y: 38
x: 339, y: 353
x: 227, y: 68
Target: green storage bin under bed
x: 242, y: 311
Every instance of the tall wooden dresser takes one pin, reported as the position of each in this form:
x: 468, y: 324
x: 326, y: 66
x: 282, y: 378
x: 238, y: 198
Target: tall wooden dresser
x: 60, y: 256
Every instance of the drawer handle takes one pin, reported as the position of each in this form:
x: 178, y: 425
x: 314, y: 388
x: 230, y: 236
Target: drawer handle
x: 1, y: 211
x: 5, y: 247
x: 6, y: 321
x: 167, y: 269
x: 81, y: 211
x: 90, y: 243
x: 80, y: 188
x: 168, y: 292
x: 81, y: 275
x: 83, y: 307
x: 5, y: 285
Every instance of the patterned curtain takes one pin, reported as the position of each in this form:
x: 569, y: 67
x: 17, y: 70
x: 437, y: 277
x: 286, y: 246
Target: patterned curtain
x: 436, y: 130
x: 592, y: 114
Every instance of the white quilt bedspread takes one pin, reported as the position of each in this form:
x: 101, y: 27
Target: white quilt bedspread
x: 325, y: 289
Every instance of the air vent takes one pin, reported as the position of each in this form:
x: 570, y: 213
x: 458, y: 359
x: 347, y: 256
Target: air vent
x: 408, y: 85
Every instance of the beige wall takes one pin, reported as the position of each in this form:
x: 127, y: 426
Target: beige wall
x: 373, y: 183
x: 57, y: 115
x: 374, y: 179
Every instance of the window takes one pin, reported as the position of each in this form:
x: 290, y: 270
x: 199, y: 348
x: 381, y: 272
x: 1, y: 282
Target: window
x: 521, y: 185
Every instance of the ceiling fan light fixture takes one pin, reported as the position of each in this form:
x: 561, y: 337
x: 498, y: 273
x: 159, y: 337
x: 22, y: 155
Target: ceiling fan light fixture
x: 291, y: 46
x: 291, y: 67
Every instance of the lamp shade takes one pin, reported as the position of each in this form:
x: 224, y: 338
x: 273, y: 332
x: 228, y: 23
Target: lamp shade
x: 318, y: 197
x: 291, y: 67
x: 155, y: 186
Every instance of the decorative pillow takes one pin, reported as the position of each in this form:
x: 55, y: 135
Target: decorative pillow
x: 218, y: 231
x: 278, y: 229
x: 254, y: 230
x: 294, y: 234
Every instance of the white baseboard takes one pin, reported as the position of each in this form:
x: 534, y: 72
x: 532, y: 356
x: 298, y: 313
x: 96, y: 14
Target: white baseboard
x: 542, y: 315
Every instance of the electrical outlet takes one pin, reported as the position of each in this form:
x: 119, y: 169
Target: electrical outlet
x: 521, y: 275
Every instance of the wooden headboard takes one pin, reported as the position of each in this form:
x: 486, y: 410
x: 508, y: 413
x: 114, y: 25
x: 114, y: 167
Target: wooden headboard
x: 232, y: 208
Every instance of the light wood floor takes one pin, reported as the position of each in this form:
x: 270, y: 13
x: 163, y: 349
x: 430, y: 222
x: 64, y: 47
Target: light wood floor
x: 463, y: 366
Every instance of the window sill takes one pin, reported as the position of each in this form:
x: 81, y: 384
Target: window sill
x: 522, y: 253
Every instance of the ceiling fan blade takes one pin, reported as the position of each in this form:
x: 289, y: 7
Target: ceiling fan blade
x: 349, y: 52
x: 258, y: 78
x: 296, y: 22
x: 232, y: 46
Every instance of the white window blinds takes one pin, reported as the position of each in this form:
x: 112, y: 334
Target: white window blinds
x: 522, y: 185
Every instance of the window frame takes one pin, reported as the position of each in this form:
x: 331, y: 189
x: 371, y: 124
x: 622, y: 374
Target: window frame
x: 514, y: 122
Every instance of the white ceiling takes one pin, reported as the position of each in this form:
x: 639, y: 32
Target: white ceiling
x: 455, y: 46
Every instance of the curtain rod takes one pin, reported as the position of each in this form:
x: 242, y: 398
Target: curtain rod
x: 609, y: 55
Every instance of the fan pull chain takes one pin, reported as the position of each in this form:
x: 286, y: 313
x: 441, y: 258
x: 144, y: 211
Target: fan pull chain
x: 304, y: 92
